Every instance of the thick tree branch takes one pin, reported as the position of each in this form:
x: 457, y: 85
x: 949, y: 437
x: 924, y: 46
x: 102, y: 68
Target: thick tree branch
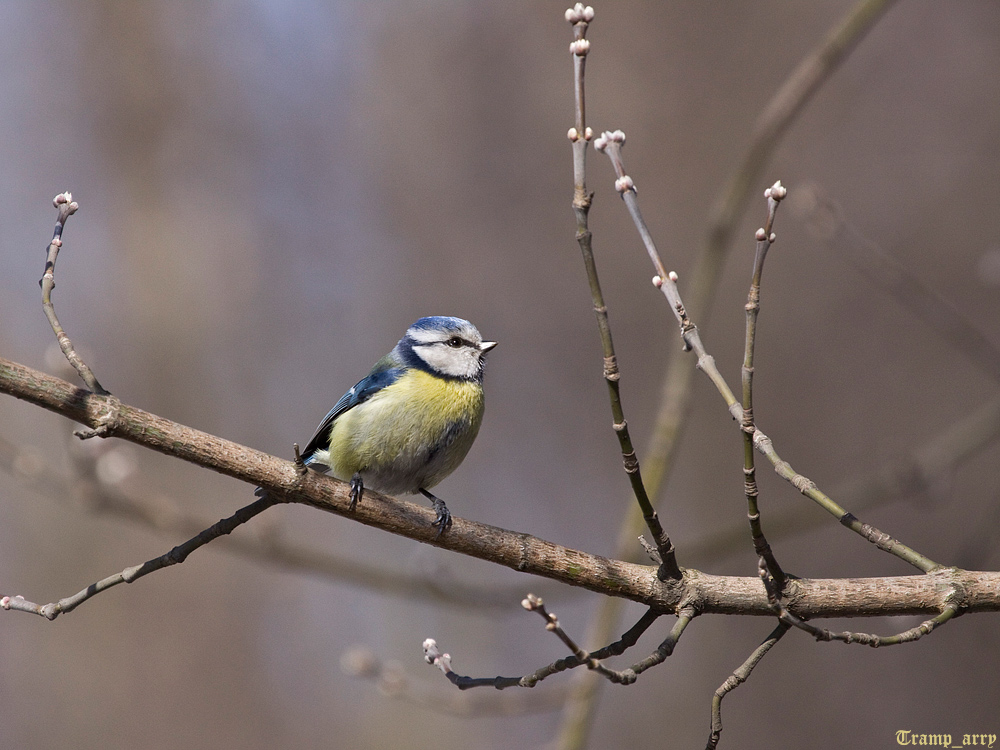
x: 267, y: 545
x: 707, y: 594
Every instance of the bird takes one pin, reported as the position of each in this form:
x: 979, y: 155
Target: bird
x: 411, y: 421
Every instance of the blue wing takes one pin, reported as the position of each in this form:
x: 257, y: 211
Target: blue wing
x: 382, y: 376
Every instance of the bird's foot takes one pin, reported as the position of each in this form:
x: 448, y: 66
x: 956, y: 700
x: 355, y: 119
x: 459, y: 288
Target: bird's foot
x: 443, y: 520
x: 357, y: 490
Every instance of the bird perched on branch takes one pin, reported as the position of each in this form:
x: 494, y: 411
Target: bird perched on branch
x: 412, y: 420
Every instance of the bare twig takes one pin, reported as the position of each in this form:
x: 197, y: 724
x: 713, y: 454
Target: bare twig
x: 913, y: 477
x: 392, y: 681
x: 434, y: 656
x: 174, y: 557
x: 66, y: 207
x: 611, y: 143
x: 952, y: 604
x: 534, y: 603
x: 808, y: 488
x: 677, y: 381
x: 737, y: 678
x: 765, y: 238
x: 580, y: 18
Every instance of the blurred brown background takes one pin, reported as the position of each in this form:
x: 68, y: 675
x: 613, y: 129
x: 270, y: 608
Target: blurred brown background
x: 271, y: 192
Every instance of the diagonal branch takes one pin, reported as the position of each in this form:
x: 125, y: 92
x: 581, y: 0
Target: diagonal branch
x: 267, y: 546
x: 611, y: 144
x: 772, y: 123
x: 910, y: 477
x: 708, y: 594
x: 174, y: 557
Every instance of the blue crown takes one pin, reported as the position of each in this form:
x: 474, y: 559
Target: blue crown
x: 439, y: 322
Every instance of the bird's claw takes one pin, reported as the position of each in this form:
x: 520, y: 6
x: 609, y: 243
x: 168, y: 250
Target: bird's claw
x: 443, y: 520
x: 357, y: 490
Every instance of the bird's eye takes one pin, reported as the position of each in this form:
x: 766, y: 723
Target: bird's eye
x: 454, y: 342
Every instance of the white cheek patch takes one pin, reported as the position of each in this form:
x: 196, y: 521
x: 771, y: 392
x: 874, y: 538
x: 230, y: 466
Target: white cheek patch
x: 456, y: 363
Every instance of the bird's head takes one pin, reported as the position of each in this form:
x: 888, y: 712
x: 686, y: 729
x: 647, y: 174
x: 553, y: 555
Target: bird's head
x: 446, y: 346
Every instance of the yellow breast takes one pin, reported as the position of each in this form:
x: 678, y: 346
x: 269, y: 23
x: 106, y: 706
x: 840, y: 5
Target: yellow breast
x: 409, y: 435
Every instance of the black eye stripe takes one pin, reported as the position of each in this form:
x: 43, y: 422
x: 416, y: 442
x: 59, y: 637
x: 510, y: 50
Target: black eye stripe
x: 452, y: 342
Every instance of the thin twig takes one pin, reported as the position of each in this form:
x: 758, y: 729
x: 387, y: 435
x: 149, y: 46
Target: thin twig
x: 666, y: 648
x: 534, y: 603
x: 611, y: 143
x: 953, y: 603
x: 174, y: 557
x: 434, y: 656
x: 580, y: 18
x: 675, y: 401
x: 392, y: 681
x: 66, y: 207
x: 912, y: 477
x: 737, y: 678
x: 765, y: 238
x: 677, y: 381
x: 808, y: 488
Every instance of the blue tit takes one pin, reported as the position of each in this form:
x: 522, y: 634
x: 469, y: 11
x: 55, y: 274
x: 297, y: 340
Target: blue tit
x: 412, y: 420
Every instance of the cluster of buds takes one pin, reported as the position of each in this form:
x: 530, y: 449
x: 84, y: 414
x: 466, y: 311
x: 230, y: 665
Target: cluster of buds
x: 608, y: 137
x: 434, y: 657
x: 579, y: 13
